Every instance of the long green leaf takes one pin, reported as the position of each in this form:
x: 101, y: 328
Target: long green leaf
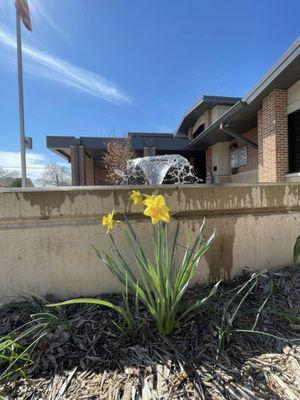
x: 98, y: 302
x: 201, y: 302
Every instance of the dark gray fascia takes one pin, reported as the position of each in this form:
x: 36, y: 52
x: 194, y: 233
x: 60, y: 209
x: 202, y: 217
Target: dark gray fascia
x: 234, y: 110
x: 54, y: 142
x: 150, y: 134
x: 164, y: 143
x: 61, y: 144
x: 204, y: 103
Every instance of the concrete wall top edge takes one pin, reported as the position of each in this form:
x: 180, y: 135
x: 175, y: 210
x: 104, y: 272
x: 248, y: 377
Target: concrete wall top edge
x: 141, y: 187
x: 82, y: 202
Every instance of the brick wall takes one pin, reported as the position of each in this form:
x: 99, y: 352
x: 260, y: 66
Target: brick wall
x: 74, y: 165
x: 82, y: 167
x: 89, y: 170
x: 81, y: 162
x: 272, y: 121
x: 100, y: 173
x: 149, y: 151
x: 78, y: 165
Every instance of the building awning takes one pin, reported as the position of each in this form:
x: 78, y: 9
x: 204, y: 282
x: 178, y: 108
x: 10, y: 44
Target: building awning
x: 96, y: 146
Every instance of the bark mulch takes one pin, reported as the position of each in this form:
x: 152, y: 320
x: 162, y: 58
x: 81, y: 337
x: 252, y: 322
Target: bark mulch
x: 85, y: 357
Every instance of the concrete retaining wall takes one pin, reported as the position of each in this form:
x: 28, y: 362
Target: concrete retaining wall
x: 45, y: 235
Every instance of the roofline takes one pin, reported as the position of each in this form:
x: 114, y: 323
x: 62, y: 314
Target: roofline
x: 234, y: 110
x: 219, y: 100
x: 65, y: 142
x: 211, y: 99
x: 167, y: 143
x: 149, y: 134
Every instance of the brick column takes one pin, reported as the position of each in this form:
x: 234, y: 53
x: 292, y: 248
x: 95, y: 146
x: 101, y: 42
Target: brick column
x: 81, y: 163
x: 272, y: 124
x: 100, y: 173
x: 74, y: 165
x: 89, y: 170
x: 78, y: 165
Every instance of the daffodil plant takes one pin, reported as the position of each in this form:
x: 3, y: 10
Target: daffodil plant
x: 161, y: 279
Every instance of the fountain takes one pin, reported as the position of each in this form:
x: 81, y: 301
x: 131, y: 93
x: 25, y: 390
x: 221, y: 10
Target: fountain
x: 157, y: 170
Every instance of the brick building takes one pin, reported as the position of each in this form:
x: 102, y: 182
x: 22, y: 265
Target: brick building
x: 228, y: 139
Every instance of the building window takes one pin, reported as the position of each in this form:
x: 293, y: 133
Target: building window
x: 294, y: 142
x: 199, y: 130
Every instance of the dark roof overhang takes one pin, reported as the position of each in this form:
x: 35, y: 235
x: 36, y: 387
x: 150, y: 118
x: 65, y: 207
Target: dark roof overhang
x: 197, y: 110
x: 61, y: 145
x: 213, y: 133
x: 150, y: 134
x: 96, y: 146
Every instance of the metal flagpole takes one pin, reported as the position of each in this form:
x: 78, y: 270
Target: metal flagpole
x: 21, y: 100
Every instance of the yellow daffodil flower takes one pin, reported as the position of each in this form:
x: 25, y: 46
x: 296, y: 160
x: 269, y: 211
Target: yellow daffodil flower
x: 156, y: 209
x: 150, y: 196
x: 108, y: 221
x: 136, y: 197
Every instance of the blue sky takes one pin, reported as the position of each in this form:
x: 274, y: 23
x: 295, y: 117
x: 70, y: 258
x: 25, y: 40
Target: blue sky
x: 104, y: 67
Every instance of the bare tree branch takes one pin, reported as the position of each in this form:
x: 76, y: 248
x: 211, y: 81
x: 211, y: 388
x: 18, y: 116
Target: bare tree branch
x: 5, y: 173
x: 55, y: 175
x: 116, y: 157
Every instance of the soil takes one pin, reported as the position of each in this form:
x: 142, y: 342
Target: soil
x: 84, y: 356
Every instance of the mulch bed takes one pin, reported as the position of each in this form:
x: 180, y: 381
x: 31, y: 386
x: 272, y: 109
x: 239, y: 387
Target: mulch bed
x: 89, y: 359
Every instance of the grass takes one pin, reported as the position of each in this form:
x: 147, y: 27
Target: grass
x: 34, y: 322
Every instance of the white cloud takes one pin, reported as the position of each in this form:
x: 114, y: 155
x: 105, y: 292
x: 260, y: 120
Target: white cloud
x: 36, y: 163
x: 51, y: 67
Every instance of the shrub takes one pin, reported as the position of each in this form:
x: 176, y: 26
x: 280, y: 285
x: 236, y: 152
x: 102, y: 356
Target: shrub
x: 162, y: 280
x: 115, y: 159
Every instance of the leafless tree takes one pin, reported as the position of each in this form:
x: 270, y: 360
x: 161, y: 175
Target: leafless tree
x: 116, y: 157
x: 55, y: 175
x: 7, y: 173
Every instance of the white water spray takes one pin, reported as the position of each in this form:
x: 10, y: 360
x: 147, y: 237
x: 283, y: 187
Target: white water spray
x: 156, y: 170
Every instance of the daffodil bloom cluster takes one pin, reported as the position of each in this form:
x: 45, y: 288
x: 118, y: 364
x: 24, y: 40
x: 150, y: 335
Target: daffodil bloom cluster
x: 155, y: 208
x: 162, y: 278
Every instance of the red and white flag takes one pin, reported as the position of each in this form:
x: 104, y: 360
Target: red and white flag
x: 23, y: 13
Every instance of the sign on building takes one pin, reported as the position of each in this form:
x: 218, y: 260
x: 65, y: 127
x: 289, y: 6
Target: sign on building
x: 243, y: 156
x: 238, y: 157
